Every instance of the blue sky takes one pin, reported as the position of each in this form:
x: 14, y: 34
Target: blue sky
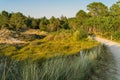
x: 48, y: 8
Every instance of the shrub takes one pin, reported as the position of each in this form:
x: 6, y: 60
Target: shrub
x: 116, y: 35
x: 79, y: 34
x: 8, y: 51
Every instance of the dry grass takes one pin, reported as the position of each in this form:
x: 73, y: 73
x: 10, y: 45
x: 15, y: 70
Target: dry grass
x: 35, y: 31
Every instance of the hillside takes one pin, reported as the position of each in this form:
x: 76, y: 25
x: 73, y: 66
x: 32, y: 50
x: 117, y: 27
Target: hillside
x: 38, y: 44
x: 9, y: 37
x: 17, y: 37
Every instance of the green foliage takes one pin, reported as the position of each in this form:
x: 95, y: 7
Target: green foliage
x: 17, y: 21
x: 99, y: 20
x: 81, y: 15
x: 54, y: 24
x: 4, y: 19
x: 64, y: 22
x: 74, y: 23
x: 116, y: 35
x: 115, y: 9
x: 97, y: 9
x: 5, y: 13
x: 34, y: 24
x: 102, y: 26
x: 78, y: 67
x: 79, y: 34
x: 8, y: 51
x: 54, y: 44
x: 43, y: 24
x: 66, y: 37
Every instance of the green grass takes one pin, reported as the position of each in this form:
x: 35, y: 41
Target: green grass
x: 55, y: 44
x: 56, y: 57
x: 72, y: 67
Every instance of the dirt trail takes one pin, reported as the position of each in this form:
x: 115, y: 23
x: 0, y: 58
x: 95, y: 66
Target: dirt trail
x: 115, y: 49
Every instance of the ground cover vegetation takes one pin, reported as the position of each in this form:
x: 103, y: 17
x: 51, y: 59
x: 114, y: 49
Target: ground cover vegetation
x: 49, y: 49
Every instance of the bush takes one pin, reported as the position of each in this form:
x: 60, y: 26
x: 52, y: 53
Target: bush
x: 79, y: 34
x: 8, y: 51
x: 116, y: 35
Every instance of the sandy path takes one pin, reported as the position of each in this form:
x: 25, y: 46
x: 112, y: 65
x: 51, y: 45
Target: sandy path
x: 115, y: 49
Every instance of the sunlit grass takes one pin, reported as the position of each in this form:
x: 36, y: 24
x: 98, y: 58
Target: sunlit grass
x: 55, y: 44
x: 75, y: 67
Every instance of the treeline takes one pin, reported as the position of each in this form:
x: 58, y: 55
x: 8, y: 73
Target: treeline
x: 18, y: 21
x: 99, y: 20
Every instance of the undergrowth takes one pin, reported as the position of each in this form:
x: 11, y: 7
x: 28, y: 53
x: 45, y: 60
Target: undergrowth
x: 73, y: 67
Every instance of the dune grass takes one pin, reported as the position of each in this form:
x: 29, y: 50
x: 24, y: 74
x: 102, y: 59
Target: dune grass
x: 56, y: 44
x: 56, y: 57
x: 74, y: 67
